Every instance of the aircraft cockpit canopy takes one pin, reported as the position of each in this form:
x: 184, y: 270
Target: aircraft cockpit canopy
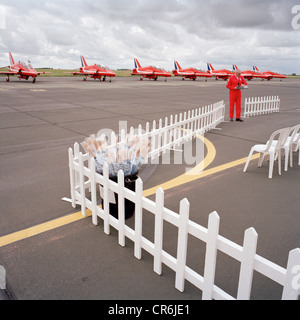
x: 26, y: 65
x: 158, y: 68
x: 102, y: 67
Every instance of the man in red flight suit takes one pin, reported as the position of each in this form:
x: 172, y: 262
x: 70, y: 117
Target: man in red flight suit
x: 235, y: 96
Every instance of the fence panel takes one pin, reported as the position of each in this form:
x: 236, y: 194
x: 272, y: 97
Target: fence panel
x: 261, y: 105
x: 176, y: 130
x: 245, y: 254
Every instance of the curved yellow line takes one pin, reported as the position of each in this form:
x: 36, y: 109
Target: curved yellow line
x: 190, y: 175
x: 184, y: 178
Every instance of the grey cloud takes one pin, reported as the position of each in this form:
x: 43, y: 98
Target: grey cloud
x: 113, y: 32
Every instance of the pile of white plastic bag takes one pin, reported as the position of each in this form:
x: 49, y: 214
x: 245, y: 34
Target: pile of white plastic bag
x: 127, y: 156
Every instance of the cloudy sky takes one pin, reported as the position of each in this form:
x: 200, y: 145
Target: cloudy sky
x: 54, y: 33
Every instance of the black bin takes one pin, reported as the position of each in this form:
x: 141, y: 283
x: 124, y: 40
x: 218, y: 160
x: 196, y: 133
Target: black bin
x: 129, y: 183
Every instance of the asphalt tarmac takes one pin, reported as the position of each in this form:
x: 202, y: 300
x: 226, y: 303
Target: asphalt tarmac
x: 40, y: 121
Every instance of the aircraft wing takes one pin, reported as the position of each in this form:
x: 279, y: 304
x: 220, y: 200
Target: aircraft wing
x: 144, y: 72
x: 8, y: 73
x: 75, y: 73
x: 160, y: 74
x: 203, y: 75
x: 39, y: 73
x: 260, y: 75
x: 247, y: 74
x: 86, y: 73
x: 186, y: 73
x: 220, y: 74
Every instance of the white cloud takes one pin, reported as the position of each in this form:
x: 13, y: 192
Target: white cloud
x: 113, y: 32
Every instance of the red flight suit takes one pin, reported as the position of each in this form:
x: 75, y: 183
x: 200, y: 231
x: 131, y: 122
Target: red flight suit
x: 235, y: 96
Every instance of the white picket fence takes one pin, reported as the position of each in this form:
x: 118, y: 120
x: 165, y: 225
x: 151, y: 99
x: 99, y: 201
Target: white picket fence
x: 261, y: 105
x: 177, y: 130
x: 246, y: 254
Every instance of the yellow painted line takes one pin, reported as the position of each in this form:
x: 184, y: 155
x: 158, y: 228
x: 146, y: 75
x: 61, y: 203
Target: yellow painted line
x: 185, y: 178
x: 192, y: 175
x: 47, y: 226
x: 196, y: 171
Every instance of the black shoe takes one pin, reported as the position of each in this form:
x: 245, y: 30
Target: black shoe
x: 240, y: 120
x: 231, y: 119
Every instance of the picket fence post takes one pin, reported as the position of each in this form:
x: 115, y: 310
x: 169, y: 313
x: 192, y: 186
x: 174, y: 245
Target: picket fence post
x: 93, y: 191
x: 182, y: 244
x: 106, y: 199
x: 158, y: 233
x: 291, y: 290
x: 72, y: 177
x: 210, y: 256
x: 81, y: 184
x: 121, y: 208
x: 247, y: 264
x: 138, y: 218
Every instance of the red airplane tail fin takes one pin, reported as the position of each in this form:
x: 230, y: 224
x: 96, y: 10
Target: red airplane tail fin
x: 83, y: 62
x: 137, y: 64
x: 177, y: 66
x: 12, y: 61
x: 255, y: 69
x: 210, y: 67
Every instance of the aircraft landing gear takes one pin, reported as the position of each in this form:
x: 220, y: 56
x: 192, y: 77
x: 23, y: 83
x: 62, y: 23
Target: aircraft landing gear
x: 34, y: 80
x: 7, y: 79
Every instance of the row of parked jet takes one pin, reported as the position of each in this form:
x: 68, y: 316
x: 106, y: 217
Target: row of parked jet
x: 25, y: 70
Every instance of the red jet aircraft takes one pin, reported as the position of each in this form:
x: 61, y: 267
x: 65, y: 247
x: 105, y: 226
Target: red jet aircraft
x: 222, y: 74
x: 249, y: 75
x: 22, y: 69
x: 270, y: 75
x: 190, y: 73
x: 149, y: 72
x: 95, y: 71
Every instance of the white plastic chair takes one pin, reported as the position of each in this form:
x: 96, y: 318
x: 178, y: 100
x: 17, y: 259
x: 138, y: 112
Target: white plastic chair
x: 271, y: 148
x: 295, y: 144
x: 290, y: 143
